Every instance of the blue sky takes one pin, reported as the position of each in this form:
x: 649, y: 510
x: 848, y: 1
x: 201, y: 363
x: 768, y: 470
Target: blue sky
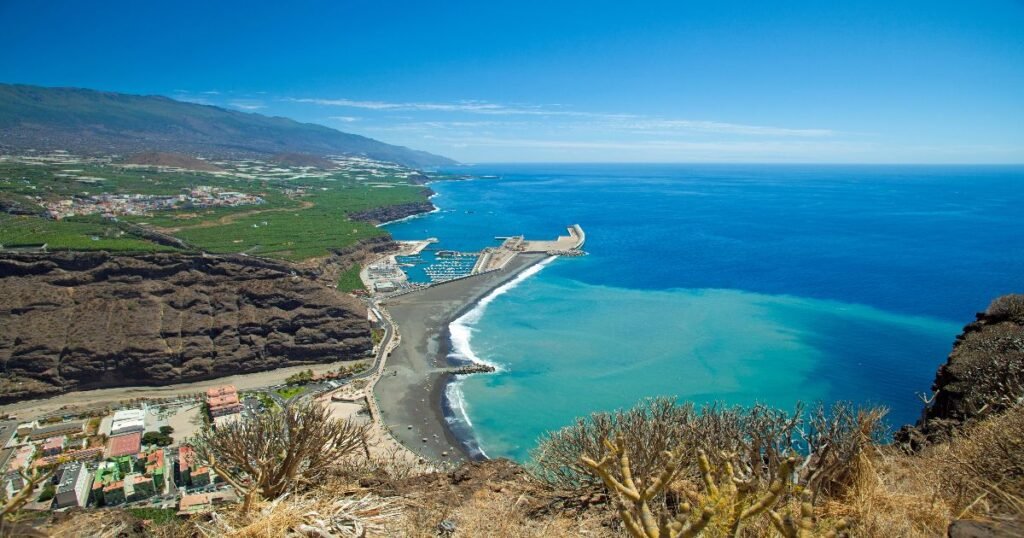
x: 793, y: 81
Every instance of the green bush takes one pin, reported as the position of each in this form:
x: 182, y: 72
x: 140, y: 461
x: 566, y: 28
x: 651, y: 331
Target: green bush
x: 157, y: 438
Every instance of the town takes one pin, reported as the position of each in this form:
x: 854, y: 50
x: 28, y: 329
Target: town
x: 130, y: 457
x: 113, y: 205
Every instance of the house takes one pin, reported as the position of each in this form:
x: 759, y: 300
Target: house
x: 113, y: 493
x: 21, y: 458
x: 224, y: 420
x: 201, y: 502
x: 73, y: 489
x: 13, y: 482
x: 72, y: 455
x: 138, y: 487
x: 54, y: 430
x: 223, y: 401
x: 183, y: 465
x: 53, y: 446
x: 156, y: 468
x: 25, y: 428
x: 201, y: 477
x: 106, y: 474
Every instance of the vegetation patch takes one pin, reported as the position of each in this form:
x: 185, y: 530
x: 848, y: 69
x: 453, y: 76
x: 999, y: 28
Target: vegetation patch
x: 349, y: 280
x: 303, y: 215
x: 290, y: 392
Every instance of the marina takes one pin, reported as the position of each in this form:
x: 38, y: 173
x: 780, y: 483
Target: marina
x: 418, y: 263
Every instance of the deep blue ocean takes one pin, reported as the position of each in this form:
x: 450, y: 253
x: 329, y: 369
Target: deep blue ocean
x: 731, y: 283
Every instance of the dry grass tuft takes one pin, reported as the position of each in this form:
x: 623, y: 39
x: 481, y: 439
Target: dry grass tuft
x: 318, y: 514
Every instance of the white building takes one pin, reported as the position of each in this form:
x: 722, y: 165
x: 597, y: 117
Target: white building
x: 73, y: 489
x: 128, y: 421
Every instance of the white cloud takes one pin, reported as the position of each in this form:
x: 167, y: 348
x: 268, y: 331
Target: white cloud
x: 247, y: 104
x: 769, y: 150
x: 475, y: 107
x: 721, y: 128
x: 346, y: 119
x: 600, y: 120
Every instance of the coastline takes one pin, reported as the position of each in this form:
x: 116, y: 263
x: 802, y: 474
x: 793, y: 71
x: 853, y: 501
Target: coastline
x: 416, y: 215
x: 412, y: 390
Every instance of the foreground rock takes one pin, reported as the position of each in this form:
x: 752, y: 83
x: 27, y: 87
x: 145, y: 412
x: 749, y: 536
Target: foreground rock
x: 74, y: 321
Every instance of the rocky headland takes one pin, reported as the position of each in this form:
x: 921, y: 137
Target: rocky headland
x: 394, y: 212
x: 75, y: 321
x: 985, y: 366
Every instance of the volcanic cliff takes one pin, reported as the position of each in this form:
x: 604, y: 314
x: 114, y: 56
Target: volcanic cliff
x: 984, y: 374
x: 73, y: 321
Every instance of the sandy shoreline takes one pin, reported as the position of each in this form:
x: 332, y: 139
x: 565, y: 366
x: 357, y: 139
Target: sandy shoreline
x: 411, y: 390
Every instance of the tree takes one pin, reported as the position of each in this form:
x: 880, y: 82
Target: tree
x: 281, y: 450
x: 300, y: 378
x: 166, y: 430
x: 157, y: 438
x: 38, y: 476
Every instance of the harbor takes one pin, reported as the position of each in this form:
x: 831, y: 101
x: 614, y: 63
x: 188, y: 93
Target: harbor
x: 410, y: 389
x: 418, y: 264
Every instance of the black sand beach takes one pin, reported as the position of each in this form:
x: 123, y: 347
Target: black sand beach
x: 411, y: 390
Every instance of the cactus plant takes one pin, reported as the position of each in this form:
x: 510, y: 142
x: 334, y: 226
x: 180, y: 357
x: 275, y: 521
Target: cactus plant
x: 803, y: 527
x: 633, y: 498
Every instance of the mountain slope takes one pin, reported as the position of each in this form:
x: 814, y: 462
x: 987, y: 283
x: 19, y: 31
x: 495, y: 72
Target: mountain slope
x: 80, y: 120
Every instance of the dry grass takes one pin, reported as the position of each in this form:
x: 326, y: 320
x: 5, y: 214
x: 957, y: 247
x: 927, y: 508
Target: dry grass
x: 979, y: 475
x: 496, y: 513
x: 983, y: 468
x: 321, y: 513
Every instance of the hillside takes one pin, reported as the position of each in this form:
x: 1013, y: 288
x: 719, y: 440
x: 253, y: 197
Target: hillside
x: 73, y: 321
x: 88, y: 121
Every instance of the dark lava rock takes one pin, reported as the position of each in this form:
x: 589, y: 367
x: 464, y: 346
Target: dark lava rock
x: 984, y: 374
x: 75, y: 321
x: 394, y: 212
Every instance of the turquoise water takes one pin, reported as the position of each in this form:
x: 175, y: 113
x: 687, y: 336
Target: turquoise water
x: 724, y: 283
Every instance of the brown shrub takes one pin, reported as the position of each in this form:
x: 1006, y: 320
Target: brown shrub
x: 1008, y: 308
x: 984, y: 466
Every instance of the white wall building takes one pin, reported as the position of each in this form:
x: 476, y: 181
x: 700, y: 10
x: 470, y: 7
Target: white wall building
x: 73, y: 489
x: 128, y: 421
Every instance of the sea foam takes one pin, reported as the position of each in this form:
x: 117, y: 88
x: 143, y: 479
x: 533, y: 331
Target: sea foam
x: 461, y: 330
x: 461, y: 333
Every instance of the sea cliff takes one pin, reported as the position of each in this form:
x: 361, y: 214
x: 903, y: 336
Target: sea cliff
x: 75, y: 321
x: 985, y: 365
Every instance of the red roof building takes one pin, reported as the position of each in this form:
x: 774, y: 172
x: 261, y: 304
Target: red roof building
x: 223, y: 401
x: 124, y: 445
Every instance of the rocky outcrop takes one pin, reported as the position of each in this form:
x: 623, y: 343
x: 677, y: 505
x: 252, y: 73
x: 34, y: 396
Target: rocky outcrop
x: 378, y: 215
x: 983, y: 375
x: 72, y: 321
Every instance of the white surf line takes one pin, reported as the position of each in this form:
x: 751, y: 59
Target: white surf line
x: 410, y: 217
x: 461, y: 332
